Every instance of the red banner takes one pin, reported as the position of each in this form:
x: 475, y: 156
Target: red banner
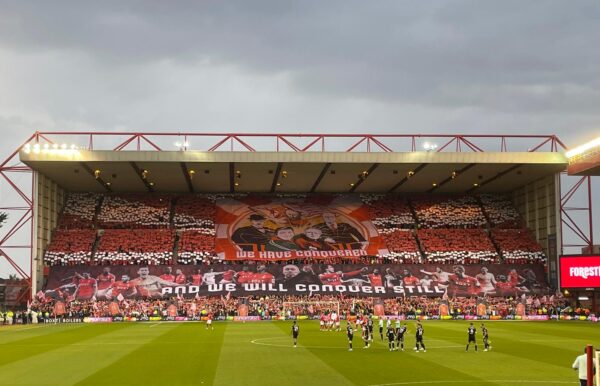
x: 269, y: 228
x: 580, y: 271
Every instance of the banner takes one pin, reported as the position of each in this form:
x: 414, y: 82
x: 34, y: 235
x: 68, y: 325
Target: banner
x: 362, y: 280
x: 268, y: 228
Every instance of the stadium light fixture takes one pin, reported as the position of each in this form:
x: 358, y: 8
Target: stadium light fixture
x: 63, y: 146
x: 429, y: 146
x: 583, y: 148
x: 583, y: 298
x: 97, y: 173
x: 27, y: 148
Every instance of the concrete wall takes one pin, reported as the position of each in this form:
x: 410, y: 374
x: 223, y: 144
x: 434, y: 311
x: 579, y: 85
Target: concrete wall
x: 539, y: 204
x: 49, y: 202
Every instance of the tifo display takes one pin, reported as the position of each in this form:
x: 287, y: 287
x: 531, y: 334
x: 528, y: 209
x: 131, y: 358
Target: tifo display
x: 203, y: 229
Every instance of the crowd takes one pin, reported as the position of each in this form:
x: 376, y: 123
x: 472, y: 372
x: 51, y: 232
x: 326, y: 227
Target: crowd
x: 135, y: 211
x: 286, y: 306
x: 436, y: 229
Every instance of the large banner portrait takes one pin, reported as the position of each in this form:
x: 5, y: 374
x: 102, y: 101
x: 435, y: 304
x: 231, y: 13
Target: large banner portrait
x: 364, y: 280
x: 270, y: 228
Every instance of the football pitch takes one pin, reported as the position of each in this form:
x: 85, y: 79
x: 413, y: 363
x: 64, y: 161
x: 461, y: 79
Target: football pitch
x: 261, y: 353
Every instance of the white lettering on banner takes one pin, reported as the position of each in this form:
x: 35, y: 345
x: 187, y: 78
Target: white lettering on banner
x: 585, y: 272
x: 302, y: 288
x: 299, y: 254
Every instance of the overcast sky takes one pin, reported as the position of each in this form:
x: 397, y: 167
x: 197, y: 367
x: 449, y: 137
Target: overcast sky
x: 305, y: 66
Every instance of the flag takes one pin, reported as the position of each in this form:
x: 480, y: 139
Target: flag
x: 445, y: 296
x: 197, y: 295
x: 40, y: 295
x: 29, y: 304
x: 120, y: 297
x: 228, y: 295
x: 179, y: 297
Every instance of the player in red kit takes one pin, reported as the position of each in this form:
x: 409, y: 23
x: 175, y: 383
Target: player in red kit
x: 105, y: 281
x: 409, y: 279
x: 375, y: 278
x: 168, y: 275
x: 228, y: 276
x: 123, y: 287
x: 87, y: 288
x: 331, y: 277
x: 462, y: 284
x: 180, y: 277
x: 197, y: 278
x: 245, y: 275
x: 262, y: 276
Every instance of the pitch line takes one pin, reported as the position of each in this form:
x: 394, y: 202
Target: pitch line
x: 21, y: 329
x: 516, y: 381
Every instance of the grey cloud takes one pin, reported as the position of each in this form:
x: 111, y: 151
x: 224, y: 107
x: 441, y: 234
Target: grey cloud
x: 408, y: 52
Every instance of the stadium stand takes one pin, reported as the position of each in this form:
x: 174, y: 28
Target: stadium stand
x: 500, y: 211
x: 389, y: 213
x: 448, y: 212
x: 135, y: 211
x: 70, y: 247
x: 195, y: 247
x: 272, y: 306
x: 136, y: 246
x: 402, y: 246
x: 195, y: 212
x: 451, y: 229
x: 457, y: 246
x: 79, y: 211
x: 518, y: 246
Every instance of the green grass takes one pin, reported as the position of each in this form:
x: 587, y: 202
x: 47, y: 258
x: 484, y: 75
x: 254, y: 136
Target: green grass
x: 525, y: 353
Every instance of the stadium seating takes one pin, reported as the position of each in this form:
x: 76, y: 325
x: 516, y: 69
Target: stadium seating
x: 500, y: 211
x: 518, y: 246
x: 457, y: 246
x: 70, y: 247
x: 194, y: 212
x: 135, y: 211
x: 448, y: 212
x: 451, y: 229
x: 195, y: 247
x: 136, y: 246
x: 79, y: 211
x: 402, y: 246
x: 389, y: 213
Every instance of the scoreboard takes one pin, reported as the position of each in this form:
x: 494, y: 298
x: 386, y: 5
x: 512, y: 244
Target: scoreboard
x: 580, y: 271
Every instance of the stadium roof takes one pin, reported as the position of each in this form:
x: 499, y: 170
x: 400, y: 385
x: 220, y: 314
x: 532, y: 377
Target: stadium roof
x: 200, y: 171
